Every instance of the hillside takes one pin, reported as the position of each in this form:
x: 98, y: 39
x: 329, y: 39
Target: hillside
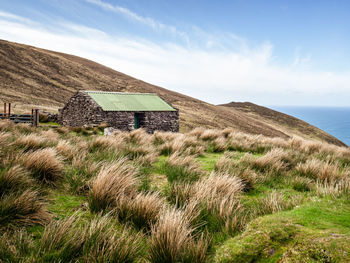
x: 31, y: 76
x: 275, y: 118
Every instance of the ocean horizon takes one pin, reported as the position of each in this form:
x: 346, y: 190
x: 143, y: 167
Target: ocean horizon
x: 333, y: 120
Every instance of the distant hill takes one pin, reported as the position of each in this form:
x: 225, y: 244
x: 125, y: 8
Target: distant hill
x: 31, y: 76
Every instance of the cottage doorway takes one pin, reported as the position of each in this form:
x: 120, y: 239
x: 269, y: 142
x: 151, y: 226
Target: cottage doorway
x: 139, y: 120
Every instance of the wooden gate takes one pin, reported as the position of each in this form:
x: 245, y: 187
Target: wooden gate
x: 32, y: 118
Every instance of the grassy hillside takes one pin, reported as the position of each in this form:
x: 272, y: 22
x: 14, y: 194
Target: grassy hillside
x: 31, y: 76
x: 72, y: 195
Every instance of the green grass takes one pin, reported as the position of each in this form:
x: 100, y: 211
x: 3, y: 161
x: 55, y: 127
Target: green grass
x: 63, y: 205
x: 208, y: 160
x: 311, y: 229
x: 305, y: 234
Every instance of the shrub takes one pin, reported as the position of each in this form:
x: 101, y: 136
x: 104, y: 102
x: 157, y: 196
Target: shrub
x: 22, y: 209
x: 44, y: 164
x: 114, y: 181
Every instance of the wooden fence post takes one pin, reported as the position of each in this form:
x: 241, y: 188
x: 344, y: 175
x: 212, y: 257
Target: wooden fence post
x: 36, y: 118
x: 4, y: 110
x: 9, y: 110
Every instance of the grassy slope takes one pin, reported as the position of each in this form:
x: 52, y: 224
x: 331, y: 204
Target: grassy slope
x: 287, y: 215
x: 31, y: 76
x: 277, y: 118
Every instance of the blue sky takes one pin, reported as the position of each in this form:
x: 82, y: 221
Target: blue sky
x: 267, y: 52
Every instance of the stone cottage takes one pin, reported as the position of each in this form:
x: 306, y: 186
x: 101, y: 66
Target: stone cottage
x: 124, y: 111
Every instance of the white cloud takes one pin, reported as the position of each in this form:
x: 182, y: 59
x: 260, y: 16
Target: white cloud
x: 148, y: 21
x: 217, y: 76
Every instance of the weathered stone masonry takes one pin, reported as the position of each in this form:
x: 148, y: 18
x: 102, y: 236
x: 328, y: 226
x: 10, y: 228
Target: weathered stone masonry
x: 82, y: 110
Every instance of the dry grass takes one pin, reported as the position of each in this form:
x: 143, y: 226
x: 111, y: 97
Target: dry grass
x: 143, y: 210
x: 30, y: 142
x: 333, y: 189
x: 275, y: 202
x: 218, y: 194
x: 320, y: 170
x: 172, y: 240
x: 67, y: 149
x: 14, y: 245
x: 182, y: 144
x: 276, y: 159
x: 114, y: 181
x: 106, y: 143
x: 50, y: 135
x: 21, y: 209
x: 184, y: 168
x: 4, y: 138
x: 44, y: 164
x: 210, y: 135
x: 15, y: 179
x: 95, y: 241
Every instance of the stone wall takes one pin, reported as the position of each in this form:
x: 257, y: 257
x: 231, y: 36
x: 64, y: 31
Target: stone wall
x: 162, y: 120
x: 82, y: 110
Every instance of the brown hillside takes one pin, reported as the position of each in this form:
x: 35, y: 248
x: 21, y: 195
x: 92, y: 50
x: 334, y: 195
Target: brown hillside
x: 32, y: 76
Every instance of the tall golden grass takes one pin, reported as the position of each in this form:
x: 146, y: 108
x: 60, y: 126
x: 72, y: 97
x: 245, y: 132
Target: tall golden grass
x: 44, y: 164
x: 114, y: 181
x: 173, y: 240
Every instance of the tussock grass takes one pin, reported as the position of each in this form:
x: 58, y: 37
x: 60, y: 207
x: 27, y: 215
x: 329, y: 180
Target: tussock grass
x: 162, y: 197
x: 334, y: 189
x: 106, y: 143
x: 95, y: 241
x: 114, y: 181
x: 44, y: 164
x: 276, y: 159
x: 4, y: 138
x: 210, y: 135
x: 320, y: 170
x: 276, y: 202
x: 15, y: 179
x: 14, y: 245
x: 143, y: 210
x: 182, y: 168
x: 173, y: 240
x: 67, y: 149
x: 30, y: 142
x: 6, y: 125
x: 50, y: 135
x: 25, y: 208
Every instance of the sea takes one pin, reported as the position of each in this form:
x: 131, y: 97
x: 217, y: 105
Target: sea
x: 334, y: 120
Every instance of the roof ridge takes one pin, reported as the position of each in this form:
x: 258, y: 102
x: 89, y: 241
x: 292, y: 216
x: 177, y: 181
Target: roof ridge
x: 116, y: 92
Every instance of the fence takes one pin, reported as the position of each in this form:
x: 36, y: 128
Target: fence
x: 32, y: 118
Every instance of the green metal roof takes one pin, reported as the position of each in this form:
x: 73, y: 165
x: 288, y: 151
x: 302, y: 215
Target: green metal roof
x: 119, y: 101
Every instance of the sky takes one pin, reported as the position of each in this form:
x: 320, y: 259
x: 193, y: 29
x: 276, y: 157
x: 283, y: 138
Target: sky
x: 271, y: 52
